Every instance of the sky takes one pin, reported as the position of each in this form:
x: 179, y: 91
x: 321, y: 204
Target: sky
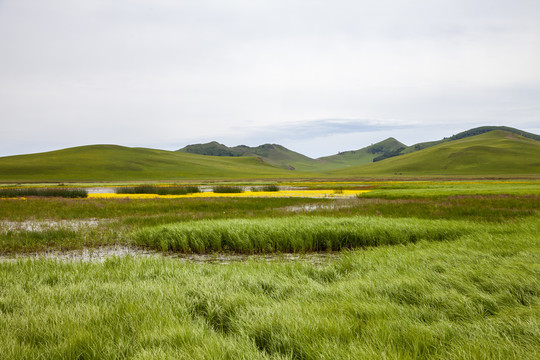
x: 317, y: 77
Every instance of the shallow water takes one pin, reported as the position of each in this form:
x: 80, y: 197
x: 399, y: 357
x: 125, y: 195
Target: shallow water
x: 100, y: 190
x: 103, y: 253
x: 314, y: 207
x: 41, y: 225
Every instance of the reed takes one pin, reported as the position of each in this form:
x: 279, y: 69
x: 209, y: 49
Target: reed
x: 159, y: 190
x: 265, y: 188
x: 43, y: 192
x: 227, y: 189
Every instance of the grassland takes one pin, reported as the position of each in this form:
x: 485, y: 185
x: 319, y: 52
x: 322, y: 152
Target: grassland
x: 450, y: 271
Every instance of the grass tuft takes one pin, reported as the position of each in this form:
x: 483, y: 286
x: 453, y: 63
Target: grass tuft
x: 295, y: 234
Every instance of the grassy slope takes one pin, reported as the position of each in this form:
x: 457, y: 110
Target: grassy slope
x: 492, y: 153
x: 111, y: 162
x: 361, y: 156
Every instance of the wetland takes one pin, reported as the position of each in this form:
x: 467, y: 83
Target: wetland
x: 411, y: 269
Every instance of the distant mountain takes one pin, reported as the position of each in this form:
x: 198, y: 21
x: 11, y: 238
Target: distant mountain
x: 386, y: 148
x: 490, y: 153
x: 272, y: 154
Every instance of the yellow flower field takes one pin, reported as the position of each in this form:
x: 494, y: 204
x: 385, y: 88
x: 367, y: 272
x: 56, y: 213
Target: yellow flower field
x: 261, y: 194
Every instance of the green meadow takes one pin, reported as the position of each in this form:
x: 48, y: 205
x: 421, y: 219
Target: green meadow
x: 409, y: 270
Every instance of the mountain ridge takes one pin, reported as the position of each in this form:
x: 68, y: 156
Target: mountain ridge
x: 274, y: 154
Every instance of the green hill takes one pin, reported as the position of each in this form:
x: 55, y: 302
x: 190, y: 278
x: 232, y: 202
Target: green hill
x: 492, y: 153
x: 272, y: 154
x: 386, y: 148
x: 469, y: 133
x: 391, y: 147
x: 118, y: 163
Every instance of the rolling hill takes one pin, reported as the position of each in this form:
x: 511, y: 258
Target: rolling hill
x: 118, y: 163
x: 490, y: 153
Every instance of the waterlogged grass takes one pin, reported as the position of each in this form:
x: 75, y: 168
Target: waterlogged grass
x: 118, y: 218
x: 43, y: 192
x: 295, y: 234
x: 476, y: 297
x: 136, y: 210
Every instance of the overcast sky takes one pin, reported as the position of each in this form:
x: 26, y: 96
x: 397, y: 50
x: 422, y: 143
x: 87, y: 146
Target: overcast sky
x: 315, y: 76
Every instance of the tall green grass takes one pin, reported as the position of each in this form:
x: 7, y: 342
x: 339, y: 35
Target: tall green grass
x: 294, y: 234
x: 43, y: 192
x: 477, y: 297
